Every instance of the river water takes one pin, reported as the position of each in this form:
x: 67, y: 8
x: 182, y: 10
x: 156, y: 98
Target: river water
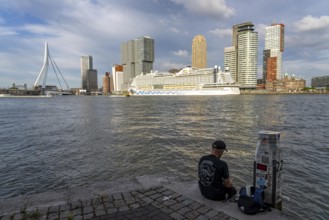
x: 75, y: 141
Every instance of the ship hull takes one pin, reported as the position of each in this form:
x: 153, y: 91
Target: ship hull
x: 196, y: 92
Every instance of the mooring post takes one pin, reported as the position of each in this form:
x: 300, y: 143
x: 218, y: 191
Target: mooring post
x: 268, y: 167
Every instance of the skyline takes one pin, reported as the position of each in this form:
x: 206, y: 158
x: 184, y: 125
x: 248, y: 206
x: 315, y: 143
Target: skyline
x: 75, y: 28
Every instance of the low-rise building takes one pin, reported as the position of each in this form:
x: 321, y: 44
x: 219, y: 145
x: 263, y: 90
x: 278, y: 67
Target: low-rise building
x: 318, y: 82
x: 287, y: 84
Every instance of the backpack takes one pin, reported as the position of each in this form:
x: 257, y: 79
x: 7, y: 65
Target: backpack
x: 251, y: 200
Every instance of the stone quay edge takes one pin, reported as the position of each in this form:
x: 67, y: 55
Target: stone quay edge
x: 144, y: 197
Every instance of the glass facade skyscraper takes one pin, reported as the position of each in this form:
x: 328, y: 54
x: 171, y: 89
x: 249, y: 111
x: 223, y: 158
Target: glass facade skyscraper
x: 137, y: 57
x: 88, y: 74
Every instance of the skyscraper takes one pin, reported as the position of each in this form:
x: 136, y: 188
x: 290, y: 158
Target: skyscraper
x: 199, y: 52
x: 137, y: 57
x: 230, y: 61
x: 241, y: 58
x: 88, y: 74
x: 107, y: 83
x: 272, y: 55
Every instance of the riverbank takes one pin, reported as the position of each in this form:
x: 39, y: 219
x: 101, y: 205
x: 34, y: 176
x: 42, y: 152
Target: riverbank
x: 145, y: 197
x: 265, y: 92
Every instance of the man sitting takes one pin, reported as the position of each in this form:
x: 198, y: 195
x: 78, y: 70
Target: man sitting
x: 215, y: 182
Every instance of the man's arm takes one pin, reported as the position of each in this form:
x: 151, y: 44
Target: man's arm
x: 228, y: 182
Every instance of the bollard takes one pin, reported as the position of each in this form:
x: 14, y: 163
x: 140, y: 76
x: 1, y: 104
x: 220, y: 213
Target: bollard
x: 268, y: 167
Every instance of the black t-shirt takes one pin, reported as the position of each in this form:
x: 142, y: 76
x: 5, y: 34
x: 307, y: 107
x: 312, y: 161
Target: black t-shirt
x: 212, y: 171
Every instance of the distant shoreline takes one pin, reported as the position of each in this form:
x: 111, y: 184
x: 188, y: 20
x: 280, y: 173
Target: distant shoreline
x: 261, y: 92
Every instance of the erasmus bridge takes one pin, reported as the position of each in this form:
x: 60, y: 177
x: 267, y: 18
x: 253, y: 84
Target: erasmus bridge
x: 40, y: 82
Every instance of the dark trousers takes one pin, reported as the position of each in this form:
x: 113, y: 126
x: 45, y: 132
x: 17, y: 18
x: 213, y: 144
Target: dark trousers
x: 215, y: 195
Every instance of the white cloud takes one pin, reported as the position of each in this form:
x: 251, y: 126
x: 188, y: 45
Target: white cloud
x: 221, y: 32
x: 174, y: 30
x: 215, y: 9
x: 166, y: 65
x: 7, y: 31
x: 181, y: 53
x: 310, y: 23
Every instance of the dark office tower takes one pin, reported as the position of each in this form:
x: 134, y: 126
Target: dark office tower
x: 272, y: 55
x: 88, y: 74
x: 241, y: 58
x: 137, y: 57
x: 199, y: 52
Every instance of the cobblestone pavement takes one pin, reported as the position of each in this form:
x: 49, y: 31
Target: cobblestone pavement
x: 158, y: 203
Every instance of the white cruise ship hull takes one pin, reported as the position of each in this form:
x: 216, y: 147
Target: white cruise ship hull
x: 229, y: 90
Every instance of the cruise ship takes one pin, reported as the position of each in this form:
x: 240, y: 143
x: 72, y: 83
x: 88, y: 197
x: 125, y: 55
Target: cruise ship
x: 188, y: 81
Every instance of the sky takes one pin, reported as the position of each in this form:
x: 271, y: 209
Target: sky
x: 75, y: 28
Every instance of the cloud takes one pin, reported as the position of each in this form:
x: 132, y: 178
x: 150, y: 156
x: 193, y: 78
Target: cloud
x: 215, y: 9
x: 7, y: 31
x: 166, y: 65
x: 308, y: 35
x: 221, y: 32
x: 181, y: 53
x: 310, y: 23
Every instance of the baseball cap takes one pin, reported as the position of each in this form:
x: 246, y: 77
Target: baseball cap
x: 219, y: 144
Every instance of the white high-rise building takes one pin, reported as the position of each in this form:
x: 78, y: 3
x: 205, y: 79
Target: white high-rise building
x: 272, y: 55
x: 242, y: 57
x: 230, y: 54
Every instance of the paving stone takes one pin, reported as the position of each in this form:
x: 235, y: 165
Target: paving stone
x: 77, y: 217
x: 147, y: 200
x: 123, y: 208
x: 134, y: 206
x: 184, y: 210
x: 100, y: 212
x: 211, y: 213
x: 175, y: 195
x: 193, y: 214
x: 176, y: 216
x: 167, y: 210
x: 88, y: 216
x: 88, y: 209
x: 52, y: 215
x: 162, y: 189
x: 157, y: 204
x: 176, y: 206
x: 181, y: 198
x: 195, y: 205
x: 170, y: 202
x: 107, y: 199
x: 53, y: 209
x: 202, y: 217
x: 76, y: 205
x: 150, y: 193
x: 167, y: 192
x: 203, y: 209
x: 187, y: 202
x: 119, y: 203
x: 117, y: 196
